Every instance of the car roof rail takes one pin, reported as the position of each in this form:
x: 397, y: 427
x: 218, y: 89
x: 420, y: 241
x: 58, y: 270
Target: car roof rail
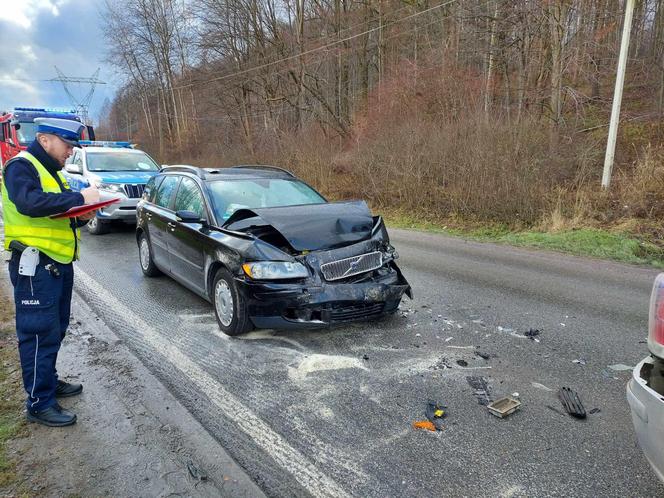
x: 186, y: 168
x: 264, y: 166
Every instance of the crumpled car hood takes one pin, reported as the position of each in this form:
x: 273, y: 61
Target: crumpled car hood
x: 311, y: 227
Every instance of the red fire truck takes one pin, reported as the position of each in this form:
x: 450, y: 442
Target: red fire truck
x: 17, y: 128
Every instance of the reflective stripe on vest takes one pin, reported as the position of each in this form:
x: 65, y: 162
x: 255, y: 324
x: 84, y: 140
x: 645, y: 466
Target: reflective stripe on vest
x: 55, y: 238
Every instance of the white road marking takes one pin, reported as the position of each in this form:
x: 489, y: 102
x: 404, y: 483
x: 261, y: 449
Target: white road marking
x: 287, y: 457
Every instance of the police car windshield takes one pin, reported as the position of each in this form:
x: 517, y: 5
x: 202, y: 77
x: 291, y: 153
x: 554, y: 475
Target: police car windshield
x: 227, y: 196
x: 26, y: 133
x: 120, y: 161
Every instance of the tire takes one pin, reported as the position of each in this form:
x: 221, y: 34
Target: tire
x: 145, y: 257
x: 97, y: 227
x: 229, y: 305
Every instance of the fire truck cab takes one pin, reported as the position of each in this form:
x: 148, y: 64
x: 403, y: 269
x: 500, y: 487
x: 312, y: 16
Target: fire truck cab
x: 17, y: 128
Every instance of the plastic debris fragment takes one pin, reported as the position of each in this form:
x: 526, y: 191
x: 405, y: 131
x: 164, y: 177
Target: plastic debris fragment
x: 571, y: 402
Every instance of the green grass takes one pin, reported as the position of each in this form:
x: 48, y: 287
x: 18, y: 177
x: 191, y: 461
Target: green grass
x: 11, y: 397
x: 593, y: 242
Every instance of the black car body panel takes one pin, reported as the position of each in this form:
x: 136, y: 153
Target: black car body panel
x: 311, y: 227
x: 192, y: 253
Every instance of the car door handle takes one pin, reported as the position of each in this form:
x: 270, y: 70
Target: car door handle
x: 148, y: 216
x: 172, y: 226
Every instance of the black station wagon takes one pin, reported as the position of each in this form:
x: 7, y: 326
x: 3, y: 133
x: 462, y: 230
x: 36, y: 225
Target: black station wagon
x: 266, y: 249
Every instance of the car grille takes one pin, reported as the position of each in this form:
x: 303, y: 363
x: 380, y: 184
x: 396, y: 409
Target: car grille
x: 348, y: 267
x: 134, y: 191
x: 356, y: 312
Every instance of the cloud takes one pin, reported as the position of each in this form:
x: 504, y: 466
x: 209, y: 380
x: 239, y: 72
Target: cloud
x: 42, y: 34
x: 27, y: 52
x: 22, y: 12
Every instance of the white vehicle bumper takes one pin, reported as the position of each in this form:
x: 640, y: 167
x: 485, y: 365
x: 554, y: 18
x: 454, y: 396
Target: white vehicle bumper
x: 647, y: 407
x: 124, y: 210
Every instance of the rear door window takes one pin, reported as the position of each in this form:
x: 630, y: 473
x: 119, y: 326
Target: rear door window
x: 151, y: 187
x: 190, y: 198
x: 166, y: 191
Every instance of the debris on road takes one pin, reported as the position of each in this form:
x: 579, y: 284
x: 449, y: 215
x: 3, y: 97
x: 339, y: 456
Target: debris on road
x: 196, y: 472
x: 571, y: 402
x: 435, y: 414
x: 621, y: 368
x: 503, y: 407
x: 424, y: 424
x: 532, y: 333
x: 580, y: 361
x: 482, y: 390
x: 594, y: 411
x: 462, y: 363
x: 484, y: 356
x: 537, y: 385
x: 365, y: 357
x: 608, y: 375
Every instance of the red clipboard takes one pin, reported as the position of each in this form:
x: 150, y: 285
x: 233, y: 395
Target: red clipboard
x: 85, y: 208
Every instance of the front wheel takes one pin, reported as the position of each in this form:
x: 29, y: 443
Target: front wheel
x: 97, y: 227
x: 145, y: 257
x: 229, y: 305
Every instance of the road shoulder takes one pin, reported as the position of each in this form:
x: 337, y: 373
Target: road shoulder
x: 132, y: 438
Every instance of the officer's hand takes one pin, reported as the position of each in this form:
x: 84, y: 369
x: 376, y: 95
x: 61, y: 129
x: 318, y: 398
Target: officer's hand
x: 87, y: 216
x: 90, y: 195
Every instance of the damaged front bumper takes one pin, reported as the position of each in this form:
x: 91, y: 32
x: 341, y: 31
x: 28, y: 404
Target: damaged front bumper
x: 323, y: 304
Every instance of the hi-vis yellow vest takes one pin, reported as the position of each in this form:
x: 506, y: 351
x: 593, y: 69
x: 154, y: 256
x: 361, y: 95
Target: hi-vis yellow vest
x: 55, y: 238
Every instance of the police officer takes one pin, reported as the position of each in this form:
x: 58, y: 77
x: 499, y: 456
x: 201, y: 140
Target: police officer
x: 34, y: 189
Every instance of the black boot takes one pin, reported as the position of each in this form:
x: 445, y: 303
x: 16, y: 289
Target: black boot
x: 65, y: 389
x: 53, y: 416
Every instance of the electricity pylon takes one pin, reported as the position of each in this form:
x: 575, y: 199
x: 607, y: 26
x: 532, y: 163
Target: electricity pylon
x: 82, y: 104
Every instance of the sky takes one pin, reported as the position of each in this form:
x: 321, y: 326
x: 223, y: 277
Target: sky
x: 35, y: 36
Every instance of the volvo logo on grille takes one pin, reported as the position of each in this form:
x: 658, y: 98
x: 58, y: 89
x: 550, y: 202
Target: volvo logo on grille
x: 355, y: 265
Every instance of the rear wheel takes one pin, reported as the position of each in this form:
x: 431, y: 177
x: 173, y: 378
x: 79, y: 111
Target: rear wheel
x: 229, y: 305
x: 145, y: 257
x: 98, y: 227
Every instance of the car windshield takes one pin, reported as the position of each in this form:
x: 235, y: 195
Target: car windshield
x: 227, y: 196
x: 26, y: 133
x: 120, y: 161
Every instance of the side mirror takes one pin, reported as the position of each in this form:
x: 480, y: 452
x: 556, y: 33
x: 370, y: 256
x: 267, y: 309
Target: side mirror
x: 74, y: 169
x: 188, y: 217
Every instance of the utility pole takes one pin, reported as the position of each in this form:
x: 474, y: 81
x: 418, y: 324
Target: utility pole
x: 617, y: 95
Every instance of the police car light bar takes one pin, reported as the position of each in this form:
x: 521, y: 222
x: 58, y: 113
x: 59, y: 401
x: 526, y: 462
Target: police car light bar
x: 46, y: 109
x: 105, y: 143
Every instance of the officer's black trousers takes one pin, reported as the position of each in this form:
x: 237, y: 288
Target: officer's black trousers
x: 43, y: 305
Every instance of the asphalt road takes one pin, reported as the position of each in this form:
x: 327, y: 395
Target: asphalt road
x: 306, y: 414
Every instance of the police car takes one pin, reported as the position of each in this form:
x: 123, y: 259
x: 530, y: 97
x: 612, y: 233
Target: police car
x: 117, y: 170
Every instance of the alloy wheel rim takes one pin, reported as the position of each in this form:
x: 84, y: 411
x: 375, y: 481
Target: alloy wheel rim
x: 93, y: 223
x: 144, y: 254
x: 223, y: 301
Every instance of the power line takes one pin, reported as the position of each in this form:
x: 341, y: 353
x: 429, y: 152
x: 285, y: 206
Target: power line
x: 317, y: 49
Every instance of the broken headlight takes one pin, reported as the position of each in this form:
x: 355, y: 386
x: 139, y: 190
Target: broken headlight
x: 273, y: 270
